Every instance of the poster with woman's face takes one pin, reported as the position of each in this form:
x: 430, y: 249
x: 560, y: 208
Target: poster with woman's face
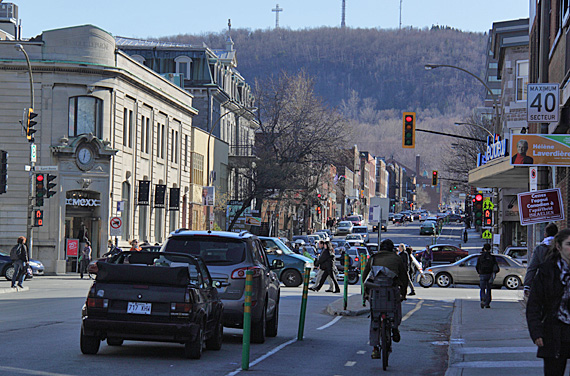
x: 540, y: 150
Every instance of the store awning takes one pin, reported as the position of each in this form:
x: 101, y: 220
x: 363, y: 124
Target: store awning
x: 499, y: 173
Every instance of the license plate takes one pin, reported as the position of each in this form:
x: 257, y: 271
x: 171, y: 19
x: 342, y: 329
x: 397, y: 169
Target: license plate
x: 139, y: 308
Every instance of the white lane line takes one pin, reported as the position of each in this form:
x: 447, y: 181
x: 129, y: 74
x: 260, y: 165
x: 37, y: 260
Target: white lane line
x: 496, y: 350
x: 330, y: 323
x: 500, y: 364
x: 263, y: 357
x: 418, y: 306
x: 349, y: 364
x: 361, y: 352
x: 25, y: 371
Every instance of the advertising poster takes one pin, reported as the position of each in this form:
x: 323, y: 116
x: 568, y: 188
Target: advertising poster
x: 540, y: 150
x: 540, y: 206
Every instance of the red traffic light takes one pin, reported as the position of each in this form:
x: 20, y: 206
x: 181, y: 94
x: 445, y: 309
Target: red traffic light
x: 408, y: 118
x: 479, y: 197
x: 435, y: 173
x: 473, y: 200
x: 319, y: 195
x: 39, y: 177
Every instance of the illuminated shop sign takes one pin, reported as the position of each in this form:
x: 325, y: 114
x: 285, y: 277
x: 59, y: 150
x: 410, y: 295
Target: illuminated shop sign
x: 496, y: 148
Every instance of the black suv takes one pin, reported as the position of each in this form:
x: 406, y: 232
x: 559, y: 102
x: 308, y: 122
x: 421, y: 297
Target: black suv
x: 228, y: 256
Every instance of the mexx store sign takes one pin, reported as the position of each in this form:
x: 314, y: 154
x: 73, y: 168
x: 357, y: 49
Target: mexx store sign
x: 496, y: 148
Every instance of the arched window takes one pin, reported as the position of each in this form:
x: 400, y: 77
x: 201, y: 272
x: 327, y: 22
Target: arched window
x: 183, y: 66
x: 85, y: 116
x: 138, y: 58
x: 125, y: 214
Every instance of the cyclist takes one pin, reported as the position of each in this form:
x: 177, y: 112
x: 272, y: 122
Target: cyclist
x: 388, y: 258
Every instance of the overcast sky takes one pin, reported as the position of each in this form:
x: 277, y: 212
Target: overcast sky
x: 143, y: 18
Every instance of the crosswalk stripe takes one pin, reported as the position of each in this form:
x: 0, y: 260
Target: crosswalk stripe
x: 500, y: 364
x: 496, y: 350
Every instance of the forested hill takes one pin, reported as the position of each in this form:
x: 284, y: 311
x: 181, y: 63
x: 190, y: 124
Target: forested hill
x: 386, y: 66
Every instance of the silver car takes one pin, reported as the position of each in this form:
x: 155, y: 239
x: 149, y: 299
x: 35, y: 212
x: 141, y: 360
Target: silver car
x: 228, y: 256
x: 344, y: 227
x: 511, y: 273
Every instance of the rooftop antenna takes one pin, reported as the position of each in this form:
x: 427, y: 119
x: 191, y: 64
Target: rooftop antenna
x: 342, y: 21
x: 400, y: 14
x: 277, y: 10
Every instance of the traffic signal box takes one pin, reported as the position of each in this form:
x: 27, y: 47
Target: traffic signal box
x: 409, y: 130
x: 487, y: 217
x: 29, y: 123
x: 50, y: 186
x: 4, y: 171
x: 38, y: 217
x: 478, y: 210
x: 434, y: 178
x: 40, y: 189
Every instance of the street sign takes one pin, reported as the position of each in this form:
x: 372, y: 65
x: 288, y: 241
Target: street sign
x: 542, y: 103
x: 487, y: 204
x: 116, y: 225
x: 254, y: 221
x: 497, y: 239
x: 33, y: 153
x: 540, y: 206
x: 120, y: 206
x: 533, y: 173
x: 487, y: 235
x: 45, y: 168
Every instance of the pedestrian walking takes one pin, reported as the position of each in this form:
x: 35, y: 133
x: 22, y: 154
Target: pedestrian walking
x: 539, y: 256
x: 427, y: 257
x: 411, y: 269
x: 85, y: 258
x: 19, y: 258
x: 548, y: 306
x: 326, y: 262
x: 487, y: 267
x: 406, y: 260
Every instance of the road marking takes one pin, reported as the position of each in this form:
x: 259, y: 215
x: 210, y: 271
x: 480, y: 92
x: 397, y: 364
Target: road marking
x: 349, y: 364
x: 500, y: 364
x: 361, y: 352
x: 496, y: 350
x: 330, y: 323
x: 418, y: 306
x: 25, y: 371
x: 263, y: 357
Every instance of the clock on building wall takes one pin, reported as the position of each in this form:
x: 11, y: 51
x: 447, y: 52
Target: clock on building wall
x: 85, y: 157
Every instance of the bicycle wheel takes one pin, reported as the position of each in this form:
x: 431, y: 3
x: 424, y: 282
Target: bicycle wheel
x: 385, y: 330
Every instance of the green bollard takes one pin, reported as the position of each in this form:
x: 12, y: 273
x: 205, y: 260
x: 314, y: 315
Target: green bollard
x: 345, y: 282
x: 362, y: 266
x: 304, y: 304
x: 247, y: 320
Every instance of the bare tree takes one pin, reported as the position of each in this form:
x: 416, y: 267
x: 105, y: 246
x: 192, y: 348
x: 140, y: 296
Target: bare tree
x: 298, y: 137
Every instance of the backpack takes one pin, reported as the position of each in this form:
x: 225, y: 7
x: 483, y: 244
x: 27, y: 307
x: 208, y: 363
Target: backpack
x: 16, y: 252
x: 486, y: 263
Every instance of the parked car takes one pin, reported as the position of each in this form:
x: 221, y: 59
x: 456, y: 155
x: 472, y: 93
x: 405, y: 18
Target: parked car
x: 228, y: 256
x: 455, y: 218
x: 428, y: 228
x: 152, y: 296
x: 323, y: 235
x: 520, y: 254
x: 511, y: 273
x: 354, y: 239
x: 443, y: 253
x: 305, y: 238
x: 344, y: 227
x: 355, y: 219
x: 7, y: 269
x: 314, y: 239
x: 390, y: 216
x: 294, y: 264
x: 362, y: 231
x: 151, y: 248
x: 328, y: 232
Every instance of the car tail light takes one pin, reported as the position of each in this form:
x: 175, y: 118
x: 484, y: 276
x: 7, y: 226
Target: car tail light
x: 180, y: 307
x: 356, y: 259
x: 240, y: 273
x: 97, y: 303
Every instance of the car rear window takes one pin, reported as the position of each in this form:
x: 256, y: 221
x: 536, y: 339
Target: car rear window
x: 359, y: 230
x: 213, y: 250
x: 353, y: 218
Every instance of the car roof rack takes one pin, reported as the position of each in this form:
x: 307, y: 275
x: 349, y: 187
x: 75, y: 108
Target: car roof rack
x: 242, y: 233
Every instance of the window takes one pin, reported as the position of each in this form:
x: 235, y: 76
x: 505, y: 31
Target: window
x: 493, y: 65
x: 493, y: 79
x: 143, y: 133
x: 147, y: 135
x: 85, y: 116
x: 184, y: 66
x: 157, y: 140
x: 522, y: 79
x: 139, y: 59
x: 130, y: 130
x: 185, y: 150
x: 162, y: 130
x: 175, y: 146
x: 125, y: 125
x: 197, y: 169
x: 502, y: 262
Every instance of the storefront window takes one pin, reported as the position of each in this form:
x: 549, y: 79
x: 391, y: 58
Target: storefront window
x: 85, y: 116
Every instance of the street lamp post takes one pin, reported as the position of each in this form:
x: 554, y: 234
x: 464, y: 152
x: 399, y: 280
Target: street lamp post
x: 495, y: 102
x: 476, y: 125
x: 29, y: 227
x: 251, y: 110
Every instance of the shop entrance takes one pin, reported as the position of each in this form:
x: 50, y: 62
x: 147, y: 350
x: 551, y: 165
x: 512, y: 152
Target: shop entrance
x: 82, y: 223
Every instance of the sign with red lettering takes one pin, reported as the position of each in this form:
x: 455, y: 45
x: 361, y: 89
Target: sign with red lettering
x: 72, y: 247
x: 540, y: 206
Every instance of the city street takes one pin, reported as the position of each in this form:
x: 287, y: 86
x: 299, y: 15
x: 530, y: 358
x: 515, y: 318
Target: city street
x: 43, y: 324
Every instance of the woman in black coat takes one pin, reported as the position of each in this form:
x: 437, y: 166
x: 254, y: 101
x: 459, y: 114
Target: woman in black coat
x: 325, y: 262
x: 548, y: 307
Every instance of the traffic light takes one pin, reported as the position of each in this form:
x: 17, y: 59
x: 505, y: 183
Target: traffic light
x: 487, y: 218
x: 50, y: 185
x: 4, y: 171
x: 409, y: 131
x: 478, y: 210
x: 38, y: 217
x: 29, y: 123
x: 454, y: 186
x: 40, y: 190
x: 434, y: 178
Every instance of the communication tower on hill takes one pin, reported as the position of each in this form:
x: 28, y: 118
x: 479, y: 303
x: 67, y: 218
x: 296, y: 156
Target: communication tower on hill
x: 343, y: 19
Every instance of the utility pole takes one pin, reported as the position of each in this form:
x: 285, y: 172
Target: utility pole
x: 277, y: 10
x: 343, y: 18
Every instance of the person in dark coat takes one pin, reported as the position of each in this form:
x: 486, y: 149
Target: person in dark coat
x: 19, y: 257
x: 406, y: 259
x: 487, y: 267
x: 548, y: 307
x: 325, y: 262
x: 539, y: 255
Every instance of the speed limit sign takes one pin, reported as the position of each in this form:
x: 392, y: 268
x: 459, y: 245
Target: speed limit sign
x: 542, y: 103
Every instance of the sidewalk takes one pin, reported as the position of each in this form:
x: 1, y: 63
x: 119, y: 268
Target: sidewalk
x: 491, y: 341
